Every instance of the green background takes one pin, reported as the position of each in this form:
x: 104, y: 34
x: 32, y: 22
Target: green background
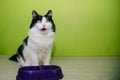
x: 84, y: 27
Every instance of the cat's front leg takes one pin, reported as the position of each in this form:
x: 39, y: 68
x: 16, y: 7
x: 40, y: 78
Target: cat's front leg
x: 34, y: 59
x: 47, y: 59
x: 31, y: 57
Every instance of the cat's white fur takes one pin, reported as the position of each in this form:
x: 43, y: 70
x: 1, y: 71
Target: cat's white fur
x: 39, y: 46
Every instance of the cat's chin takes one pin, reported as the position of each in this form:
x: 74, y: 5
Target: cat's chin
x: 44, y: 32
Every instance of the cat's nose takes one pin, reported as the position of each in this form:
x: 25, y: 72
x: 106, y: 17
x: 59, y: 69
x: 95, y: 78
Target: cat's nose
x: 43, y: 25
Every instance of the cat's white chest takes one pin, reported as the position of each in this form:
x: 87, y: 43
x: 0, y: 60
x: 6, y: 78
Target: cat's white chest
x: 40, y: 41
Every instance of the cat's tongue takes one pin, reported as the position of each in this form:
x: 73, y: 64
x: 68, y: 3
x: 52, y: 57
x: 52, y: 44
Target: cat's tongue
x: 43, y: 29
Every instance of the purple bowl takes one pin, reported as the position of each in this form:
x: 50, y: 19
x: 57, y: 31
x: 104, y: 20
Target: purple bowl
x: 45, y: 72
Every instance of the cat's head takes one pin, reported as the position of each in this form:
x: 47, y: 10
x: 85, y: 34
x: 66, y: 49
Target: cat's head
x: 43, y: 23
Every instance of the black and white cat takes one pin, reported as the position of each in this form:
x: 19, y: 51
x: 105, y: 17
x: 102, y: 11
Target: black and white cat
x: 37, y: 46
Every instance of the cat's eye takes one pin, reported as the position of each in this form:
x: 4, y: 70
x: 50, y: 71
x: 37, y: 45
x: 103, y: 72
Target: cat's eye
x: 47, y: 21
x: 39, y: 21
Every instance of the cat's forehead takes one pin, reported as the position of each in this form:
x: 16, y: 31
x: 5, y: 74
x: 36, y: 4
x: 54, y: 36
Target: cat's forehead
x: 43, y: 20
x: 42, y: 17
x: 39, y: 17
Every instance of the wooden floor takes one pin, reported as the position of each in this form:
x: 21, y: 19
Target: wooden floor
x: 74, y: 68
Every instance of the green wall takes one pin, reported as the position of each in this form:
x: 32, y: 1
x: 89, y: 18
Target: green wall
x: 84, y: 27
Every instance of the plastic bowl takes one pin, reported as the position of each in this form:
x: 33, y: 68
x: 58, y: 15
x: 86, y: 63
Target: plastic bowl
x: 45, y: 72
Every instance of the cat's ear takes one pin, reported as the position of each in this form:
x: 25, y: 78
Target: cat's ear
x: 49, y: 13
x: 34, y: 14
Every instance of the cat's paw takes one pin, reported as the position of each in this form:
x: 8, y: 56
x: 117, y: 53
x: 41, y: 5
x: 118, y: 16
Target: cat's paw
x: 46, y: 64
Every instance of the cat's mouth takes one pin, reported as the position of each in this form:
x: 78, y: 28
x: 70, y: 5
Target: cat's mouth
x: 43, y: 29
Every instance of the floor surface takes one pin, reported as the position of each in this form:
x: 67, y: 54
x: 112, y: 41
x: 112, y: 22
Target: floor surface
x: 74, y: 68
